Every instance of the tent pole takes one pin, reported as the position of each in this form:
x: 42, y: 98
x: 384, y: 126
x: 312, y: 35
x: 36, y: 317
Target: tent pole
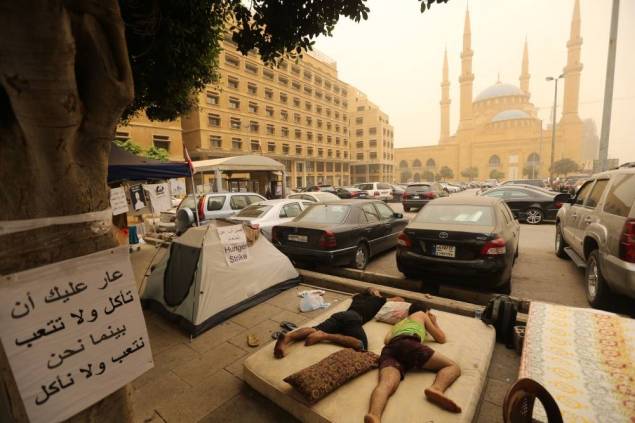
x: 195, y: 199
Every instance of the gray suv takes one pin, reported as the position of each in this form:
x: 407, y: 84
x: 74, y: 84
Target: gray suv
x: 597, y: 231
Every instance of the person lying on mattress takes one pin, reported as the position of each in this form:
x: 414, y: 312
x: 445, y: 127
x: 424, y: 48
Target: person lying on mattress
x: 344, y: 328
x: 404, y: 351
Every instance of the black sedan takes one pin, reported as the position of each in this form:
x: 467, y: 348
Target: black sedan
x: 340, y: 233
x: 351, y: 192
x: 461, y: 239
x: 419, y: 194
x: 530, y: 205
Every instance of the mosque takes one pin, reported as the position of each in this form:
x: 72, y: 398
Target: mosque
x: 499, y: 132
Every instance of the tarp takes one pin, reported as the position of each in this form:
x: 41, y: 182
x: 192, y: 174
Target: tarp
x: 195, y: 286
x: 244, y: 163
x: 123, y: 165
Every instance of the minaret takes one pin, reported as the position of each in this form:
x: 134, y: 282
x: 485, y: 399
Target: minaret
x: 445, y: 102
x: 524, y: 73
x: 467, y: 77
x: 573, y: 69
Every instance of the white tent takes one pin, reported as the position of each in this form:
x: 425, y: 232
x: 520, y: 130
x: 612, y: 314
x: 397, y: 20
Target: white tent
x: 195, y: 286
x: 246, y: 163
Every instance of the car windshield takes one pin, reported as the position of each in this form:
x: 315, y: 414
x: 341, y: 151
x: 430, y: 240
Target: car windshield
x: 255, y: 210
x: 460, y: 214
x: 325, y: 213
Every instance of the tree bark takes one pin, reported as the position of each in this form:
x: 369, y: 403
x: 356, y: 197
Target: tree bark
x: 65, y: 80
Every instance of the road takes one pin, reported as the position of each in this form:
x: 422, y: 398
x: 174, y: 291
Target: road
x: 537, y: 275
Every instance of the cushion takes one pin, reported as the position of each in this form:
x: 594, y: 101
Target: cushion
x: 392, y: 312
x: 317, y: 381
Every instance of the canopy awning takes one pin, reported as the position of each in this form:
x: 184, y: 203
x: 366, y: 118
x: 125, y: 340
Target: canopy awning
x: 123, y: 165
x: 247, y: 163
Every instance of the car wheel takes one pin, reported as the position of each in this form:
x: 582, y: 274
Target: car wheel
x: 534, y: 216
x: 560, y: 243
x: 597, y: 292
x: 361, y: 257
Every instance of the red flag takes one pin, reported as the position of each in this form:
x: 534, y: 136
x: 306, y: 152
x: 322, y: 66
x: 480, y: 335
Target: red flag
x: 188, y: 159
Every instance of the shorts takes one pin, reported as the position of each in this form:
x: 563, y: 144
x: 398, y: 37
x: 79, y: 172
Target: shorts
x: 348, y: 323
x: 405, y: 353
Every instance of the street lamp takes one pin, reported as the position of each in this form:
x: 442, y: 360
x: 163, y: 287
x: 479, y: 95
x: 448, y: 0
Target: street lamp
x: 553, y: 124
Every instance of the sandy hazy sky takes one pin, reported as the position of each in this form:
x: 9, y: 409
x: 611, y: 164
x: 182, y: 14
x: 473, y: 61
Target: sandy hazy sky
x: 396, y: 58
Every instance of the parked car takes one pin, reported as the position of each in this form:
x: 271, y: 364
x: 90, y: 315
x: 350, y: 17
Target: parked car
x: 316, y: 197
x: 351, y: 192
x: 471, y: 239
x: 450, y: 188
x: 529, y: 205
x: 320, y: 188
x: 266, y: 214
x: 535, y: 182
x: 397, y: 192
x: 340, y: 233
x: 419, y: 194
x: 213, y: 205
x: 597, y: 230
x: 377, y: 190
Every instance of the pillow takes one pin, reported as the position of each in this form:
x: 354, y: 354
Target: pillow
x: 392, y: 312
x: 317, y: 381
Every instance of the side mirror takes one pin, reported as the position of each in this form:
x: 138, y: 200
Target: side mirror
x: 397, y: 215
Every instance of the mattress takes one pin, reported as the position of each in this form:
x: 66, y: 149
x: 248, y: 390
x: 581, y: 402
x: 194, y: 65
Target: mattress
x: 470, y: 344
x: 586, y: 360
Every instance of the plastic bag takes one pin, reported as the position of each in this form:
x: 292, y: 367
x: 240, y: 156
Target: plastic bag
x: 312, y: 301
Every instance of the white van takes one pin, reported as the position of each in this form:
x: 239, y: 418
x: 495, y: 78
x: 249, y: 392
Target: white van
x: 377, y: 190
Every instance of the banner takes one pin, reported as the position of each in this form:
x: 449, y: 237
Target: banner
x: 234, y: 243
x: 118, y: 202
x: 73, y: 332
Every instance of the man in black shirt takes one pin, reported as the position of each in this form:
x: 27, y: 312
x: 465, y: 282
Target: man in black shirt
x: 344, y: 328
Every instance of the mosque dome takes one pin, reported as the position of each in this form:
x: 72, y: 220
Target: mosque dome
x: 510, y: 114
x: 499, y: 90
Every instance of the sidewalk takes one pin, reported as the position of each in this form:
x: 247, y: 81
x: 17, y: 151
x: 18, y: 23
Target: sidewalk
x: 201, y: 380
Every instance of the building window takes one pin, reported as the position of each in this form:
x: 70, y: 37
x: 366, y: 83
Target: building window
x: 359, y: 144
x: 337, y: 140
x: 253, y: 126
x: 234, y: 103
x: 336, y: 114
x: 318, y: 94
x: 307, y: 75
x: 268, y: 94
x: 232, y: 60
x: 309, y: 151
x: 360, y: 108
x: 285, y: 148
x: 235, y: 123
x: 161, y: 141
x: 372, y: 143
x: 232, y: 83
x: 327, y: 85
x: 329, y: 166
x: 283, y: 98
x: 296, y: 101
x: 284, y: 115
x: 328, y: 126
x: 320, y: 154
x: 319, y: 137
x: 344, y: 117
x: 360, y: 156
x: 346, y: 157
x: 122, y: 136
x: 338, y: 167
x: 271, y: 130
x: 299, y: 166
x: 319, y: 123
x: 359, y: 132
x: 237, y: 144
x: 267, y: 74
x: 298, y: 134
x: 330, y: 153
x: 328, y: 98
x: 297, y: 118
x: 372, y: 131
x: 298, y: 150
x: 283, y: 65
x: 252, y: 89
x: 337, y: 154
x: 373, y: 155
x: 215, y: 141
x: 309, y: 120
x: 308, y: 90
x: 318, y: 109
x: 336, y: 100
x: 271, y: 147
x: 317, y: 80
x: 295, y: 85
x: 359, y: 120
x: 253, y: 107
x: 328, y: 112
x: 213, y: 120
x: 309, y: 136
x: 345, y: 141
x: 212, y: 98
x: 285, y: 132
x: 269, y: 111
x: 308, y: 106
x: 295, y: 70
x: 282, y: 80
x: 337, y: 128
x: 329, y: 139
x: 255, y: 145
x: 251, y: 68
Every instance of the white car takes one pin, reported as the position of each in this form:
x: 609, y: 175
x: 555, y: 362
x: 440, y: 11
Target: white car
x: 376, y: 190
x: 316, y: 197
x: 267, y: 214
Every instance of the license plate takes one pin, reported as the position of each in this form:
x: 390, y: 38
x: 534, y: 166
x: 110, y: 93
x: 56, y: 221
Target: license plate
x: 298, y: 238
x: 415, y: 197
x: 445, y: 250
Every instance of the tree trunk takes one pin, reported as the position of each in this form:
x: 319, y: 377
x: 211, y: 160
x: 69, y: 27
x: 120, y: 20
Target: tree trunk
x: 65, y: 79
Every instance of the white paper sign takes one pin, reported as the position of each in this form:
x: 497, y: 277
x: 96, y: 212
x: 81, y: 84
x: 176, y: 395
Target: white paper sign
x: 234, y: 243
x: 159, y: 196
x: 73, y: 332
x: 177, y: 187
x: 118, y: 202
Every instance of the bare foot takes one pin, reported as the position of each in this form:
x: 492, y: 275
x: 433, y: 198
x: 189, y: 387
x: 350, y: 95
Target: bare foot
x: 314, y: 338
x: 281, y: 345
x: 441, y: 400
x: 370, y: 418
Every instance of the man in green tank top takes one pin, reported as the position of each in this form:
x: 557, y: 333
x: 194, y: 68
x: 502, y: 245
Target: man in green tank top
x: 404, y: 351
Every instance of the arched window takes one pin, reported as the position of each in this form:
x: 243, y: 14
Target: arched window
x: 431, y: 164
x: 494, y: 162
x: 403, y: 164
x: 533, y: 159
x: 416, y: 163
x: 417, y: 177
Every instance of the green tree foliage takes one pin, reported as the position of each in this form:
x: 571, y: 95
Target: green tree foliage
x: 564, y: 167
x: 446, y: 173
x: 156, y: 153
x: 173, y: 46
x: 129, y: 146
x: 153, y: 152
x: 470, y: 172
x: 496, y: 174
x: 428, y: 176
